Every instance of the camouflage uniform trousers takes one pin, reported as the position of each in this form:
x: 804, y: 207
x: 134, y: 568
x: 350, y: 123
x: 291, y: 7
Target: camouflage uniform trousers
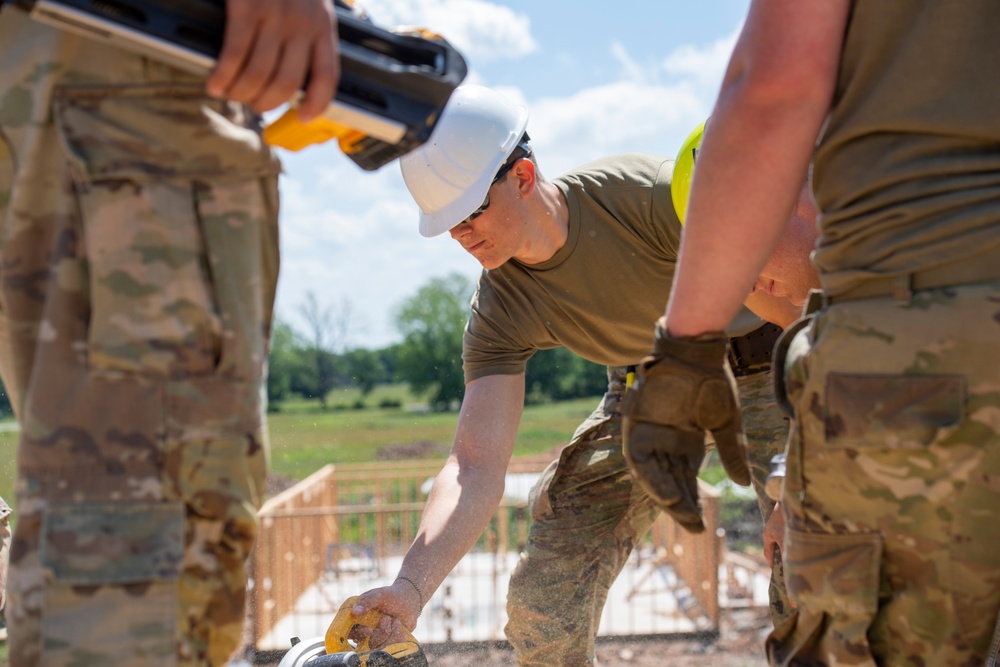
x: 138, y: 263
x: 892, y: 493
x: 766, y: 428
x: 587, y: 515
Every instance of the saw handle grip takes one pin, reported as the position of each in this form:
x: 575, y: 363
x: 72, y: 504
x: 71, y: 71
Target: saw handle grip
x: 338, y: 633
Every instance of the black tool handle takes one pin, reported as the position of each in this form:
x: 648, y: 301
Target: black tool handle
x: 343, y: 658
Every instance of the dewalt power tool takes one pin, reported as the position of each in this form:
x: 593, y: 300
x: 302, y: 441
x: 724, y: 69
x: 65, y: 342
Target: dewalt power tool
x: 393, y: 85
x: 335, y: 648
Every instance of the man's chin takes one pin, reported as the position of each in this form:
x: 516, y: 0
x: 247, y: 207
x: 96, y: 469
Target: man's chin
x: 489, y: 263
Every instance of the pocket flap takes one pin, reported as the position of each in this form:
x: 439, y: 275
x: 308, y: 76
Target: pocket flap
x: 834, y: 572
x: 858, y: 405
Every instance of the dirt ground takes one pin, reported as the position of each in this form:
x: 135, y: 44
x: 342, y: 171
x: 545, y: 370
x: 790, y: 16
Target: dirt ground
x: 740, y: 644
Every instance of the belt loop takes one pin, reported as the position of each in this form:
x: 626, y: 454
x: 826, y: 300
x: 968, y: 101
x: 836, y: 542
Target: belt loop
x: 817, y: 301
x: 902, y: 289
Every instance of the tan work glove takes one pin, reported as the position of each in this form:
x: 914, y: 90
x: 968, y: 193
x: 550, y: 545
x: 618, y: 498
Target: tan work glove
x: 683, y: 389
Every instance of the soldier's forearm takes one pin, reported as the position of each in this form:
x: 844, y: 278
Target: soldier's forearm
x: 459, y: 508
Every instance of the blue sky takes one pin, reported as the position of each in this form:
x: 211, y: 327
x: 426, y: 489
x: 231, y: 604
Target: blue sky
x: 597, y: 78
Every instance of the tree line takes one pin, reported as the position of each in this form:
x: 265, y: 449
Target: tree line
x: 312, y: 363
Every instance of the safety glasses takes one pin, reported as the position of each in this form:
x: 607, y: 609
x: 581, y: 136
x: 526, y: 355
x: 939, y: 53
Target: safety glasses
x: 522, y: 151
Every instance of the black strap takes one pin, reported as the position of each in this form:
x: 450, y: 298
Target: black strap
x: 751, y: 353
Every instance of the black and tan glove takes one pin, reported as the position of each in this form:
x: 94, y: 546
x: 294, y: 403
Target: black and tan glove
x: 683, y: 389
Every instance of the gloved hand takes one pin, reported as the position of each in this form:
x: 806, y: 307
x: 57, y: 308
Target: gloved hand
x: 683, y: 389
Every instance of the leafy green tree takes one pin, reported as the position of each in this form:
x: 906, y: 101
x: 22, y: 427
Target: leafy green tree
x: 432, y: 322
x: 365, y: 369
x: 281, y: 362
x: 327, y: 331
x: 559, y: 374
x: 388, y: 357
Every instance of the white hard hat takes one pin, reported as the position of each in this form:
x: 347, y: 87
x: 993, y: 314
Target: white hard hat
x: 449, y: 175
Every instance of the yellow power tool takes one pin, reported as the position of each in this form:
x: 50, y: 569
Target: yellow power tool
x: 335, y: 648
x: 393, y: 83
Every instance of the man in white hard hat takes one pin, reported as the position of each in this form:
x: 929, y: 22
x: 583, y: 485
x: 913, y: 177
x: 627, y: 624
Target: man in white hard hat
x: 583, y: 261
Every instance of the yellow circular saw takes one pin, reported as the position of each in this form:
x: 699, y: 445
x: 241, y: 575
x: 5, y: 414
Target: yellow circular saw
x: 337, y: 648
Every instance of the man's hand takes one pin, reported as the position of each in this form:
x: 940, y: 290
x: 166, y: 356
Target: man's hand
x: 774, y: 534
x: 400, y: 605
x: 270, y: 50
x: 683, y: 389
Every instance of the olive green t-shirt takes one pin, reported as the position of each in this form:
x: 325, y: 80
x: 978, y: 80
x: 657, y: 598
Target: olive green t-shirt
x: 907, y: 172
x: 600, y: 294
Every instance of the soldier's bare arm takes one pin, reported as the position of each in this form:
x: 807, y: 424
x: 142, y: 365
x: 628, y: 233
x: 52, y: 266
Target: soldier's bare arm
x: 465, y: 495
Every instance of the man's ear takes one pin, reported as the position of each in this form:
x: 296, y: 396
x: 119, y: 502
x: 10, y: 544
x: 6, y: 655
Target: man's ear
x: 526, y: 175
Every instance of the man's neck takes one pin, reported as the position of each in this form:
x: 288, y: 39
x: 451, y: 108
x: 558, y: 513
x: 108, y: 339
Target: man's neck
x: 550, y: 223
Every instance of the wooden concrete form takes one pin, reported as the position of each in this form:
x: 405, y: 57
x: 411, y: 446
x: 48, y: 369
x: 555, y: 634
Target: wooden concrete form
x: 345, y: 520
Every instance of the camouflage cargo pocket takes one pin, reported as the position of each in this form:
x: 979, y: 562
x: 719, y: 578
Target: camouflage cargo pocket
x: 151, y: 164
x: 113, y: 591
x: 892, y: 411
x: 593, y: 455
x: 539, y: 505
x: 834, y: 579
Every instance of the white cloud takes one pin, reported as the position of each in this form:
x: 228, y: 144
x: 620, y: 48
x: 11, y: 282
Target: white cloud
x: 647, y: 109
x: 480, y: 30
x: 616, y: 118
x: 702, y: 64
x: 632, y: 70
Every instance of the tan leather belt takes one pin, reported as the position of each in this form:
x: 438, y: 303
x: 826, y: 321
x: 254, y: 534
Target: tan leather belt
x: 979, y: 269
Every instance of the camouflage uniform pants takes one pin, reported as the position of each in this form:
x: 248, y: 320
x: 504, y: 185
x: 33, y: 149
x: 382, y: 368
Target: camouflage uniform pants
x: 138, y: 263
x: 587, y: 515
x: 766, y: 428
x: 892, y: 494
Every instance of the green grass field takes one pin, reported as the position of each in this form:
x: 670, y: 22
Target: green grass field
x: 302, y: 442
x: 304, y: 438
